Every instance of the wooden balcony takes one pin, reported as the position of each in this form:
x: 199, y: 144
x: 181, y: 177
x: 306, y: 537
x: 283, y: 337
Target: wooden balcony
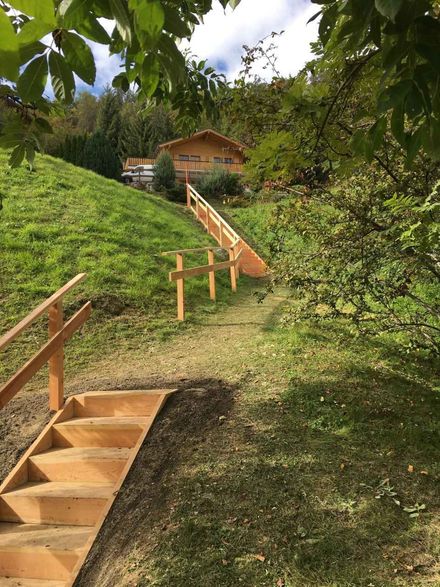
x: 183, y: 166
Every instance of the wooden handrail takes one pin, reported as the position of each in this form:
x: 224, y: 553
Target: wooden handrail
x: 23, y: 375
x: 199, y: 250
x: 196, y: 196
x: 30, y: 318
x: 52, y: 351
x: 181, y: 274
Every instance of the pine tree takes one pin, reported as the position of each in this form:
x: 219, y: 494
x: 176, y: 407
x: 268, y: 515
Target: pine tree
x: 99, y: 156
x: 109, y: 116
x: 164, y: 172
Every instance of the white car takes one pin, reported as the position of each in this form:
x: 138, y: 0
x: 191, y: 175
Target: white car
x: 140, y: 174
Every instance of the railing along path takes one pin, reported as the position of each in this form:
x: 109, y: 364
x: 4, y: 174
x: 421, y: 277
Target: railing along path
x: 51, y: 352
x: 181, y: 273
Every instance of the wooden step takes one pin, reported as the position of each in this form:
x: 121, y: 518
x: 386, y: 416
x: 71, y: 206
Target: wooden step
x: 19, y: 582
x: 98, y: 465
x: 78, y: 504
x: 42, y: 552
x: 116, y: 431
x: 55, y: 500
x: 116, y: 403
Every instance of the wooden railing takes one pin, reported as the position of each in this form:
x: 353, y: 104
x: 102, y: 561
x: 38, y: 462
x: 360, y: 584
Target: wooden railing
x: 215, y: 225
x: 181, y: 165
x: 52, y: 351
x: 181, y: 273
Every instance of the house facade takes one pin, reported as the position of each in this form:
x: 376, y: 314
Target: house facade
x: 199, y: 153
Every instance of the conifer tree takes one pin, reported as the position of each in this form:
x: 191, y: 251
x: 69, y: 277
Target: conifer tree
x: 100, y: 157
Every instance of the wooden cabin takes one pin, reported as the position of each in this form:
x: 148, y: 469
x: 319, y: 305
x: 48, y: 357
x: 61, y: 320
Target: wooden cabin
x: 199, y: 153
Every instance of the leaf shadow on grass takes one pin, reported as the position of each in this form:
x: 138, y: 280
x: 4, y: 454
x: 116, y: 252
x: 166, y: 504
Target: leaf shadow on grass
x: 287, y: 487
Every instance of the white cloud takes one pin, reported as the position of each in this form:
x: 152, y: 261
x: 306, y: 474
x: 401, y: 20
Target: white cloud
x: 221, y: 37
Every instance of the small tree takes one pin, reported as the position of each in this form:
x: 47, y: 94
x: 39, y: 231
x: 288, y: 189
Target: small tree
x: 100, y: 157
x: 220, y: 182
x: 164, y: 172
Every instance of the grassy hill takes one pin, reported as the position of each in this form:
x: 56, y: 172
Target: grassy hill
x: 62, y: 220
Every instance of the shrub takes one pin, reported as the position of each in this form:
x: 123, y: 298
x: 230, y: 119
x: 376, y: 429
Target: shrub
x: 177, y: 193
x: 220, y: 182
x: 100, y: 157
x: 164, y: 172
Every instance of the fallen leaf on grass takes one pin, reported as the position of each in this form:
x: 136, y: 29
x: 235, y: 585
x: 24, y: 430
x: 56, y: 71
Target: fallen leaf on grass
x: 410, y: 469
x: 423, y: 472
x: 281, y: 583
x: 260, y: 557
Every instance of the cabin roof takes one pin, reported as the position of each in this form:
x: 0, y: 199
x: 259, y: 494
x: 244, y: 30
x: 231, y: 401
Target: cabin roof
x: 205, y: 133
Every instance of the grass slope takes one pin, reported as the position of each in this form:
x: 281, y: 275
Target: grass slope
x: 62, y: 220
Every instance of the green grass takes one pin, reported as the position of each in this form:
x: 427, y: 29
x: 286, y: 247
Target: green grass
x: 307, y: 472
x: 62, y: 220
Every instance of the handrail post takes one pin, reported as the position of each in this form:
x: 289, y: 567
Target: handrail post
x: 233, y: 270
x: 208, y: 223
x: 188, y: 193
x: 197, y: 208
x: 211, y: 276
x: 56, y: 362
x: 180, y: 289
x: 237, y: 266
x: 220, y: 227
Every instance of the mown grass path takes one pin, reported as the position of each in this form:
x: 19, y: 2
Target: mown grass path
x: 287, y: 459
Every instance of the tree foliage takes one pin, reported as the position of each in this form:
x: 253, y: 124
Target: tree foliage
x: 145, y: 38
x: 164, y: 172
x: 99, y: 156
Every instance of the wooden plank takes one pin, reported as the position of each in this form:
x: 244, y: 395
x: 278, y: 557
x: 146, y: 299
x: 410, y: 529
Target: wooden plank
x: 211, y: 276
x: 41, y: 309
x: 180, y: 288
x: 233, y: 271
x: 201, y: 270
x: 199, y: 250
x: 56, y: 362
x: 23, y: 375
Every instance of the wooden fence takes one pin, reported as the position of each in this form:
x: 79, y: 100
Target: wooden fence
x: 179, y: 276
x: 51, y: 352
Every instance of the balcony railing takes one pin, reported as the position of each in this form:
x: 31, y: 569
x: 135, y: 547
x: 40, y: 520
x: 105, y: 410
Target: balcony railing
x: 181, y: 165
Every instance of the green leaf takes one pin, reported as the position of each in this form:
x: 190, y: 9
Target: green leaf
x: 17, y: 156
x: 149, y: 15
x: 398, y: 125
x: 63, y: 83
x: 43, y: 125
x: 32, y: 81
x: 389, y: 8
x: 32, y: 31
x: 122, y: 18
x: 174, y: 23
x: 79, y: 56
x: 41, y: 9
x: 27, y: 52
x: 92, y: 29
x: 150, y: 75
x: 74, y: 12
x: 9, y: 55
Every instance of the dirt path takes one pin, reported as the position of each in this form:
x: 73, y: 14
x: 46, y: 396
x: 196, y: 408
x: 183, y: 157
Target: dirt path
x: 217, y: 347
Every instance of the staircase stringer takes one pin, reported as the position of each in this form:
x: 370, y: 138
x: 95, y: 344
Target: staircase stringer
x: 117, y: 488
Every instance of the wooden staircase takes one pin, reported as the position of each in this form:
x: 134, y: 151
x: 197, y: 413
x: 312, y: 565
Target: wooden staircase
x: 250, y: 263
x: 54, y: 502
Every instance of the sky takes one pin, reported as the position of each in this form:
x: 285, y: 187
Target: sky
x: 221, y: 37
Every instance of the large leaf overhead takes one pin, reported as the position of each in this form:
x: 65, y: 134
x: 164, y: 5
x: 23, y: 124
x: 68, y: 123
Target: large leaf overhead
x: 38, y: 37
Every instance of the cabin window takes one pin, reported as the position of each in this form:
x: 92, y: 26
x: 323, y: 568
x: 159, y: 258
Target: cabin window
x: 183, y: 157
x: 217, y: 160
x: 228, y: 160
x: 194, y: 158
